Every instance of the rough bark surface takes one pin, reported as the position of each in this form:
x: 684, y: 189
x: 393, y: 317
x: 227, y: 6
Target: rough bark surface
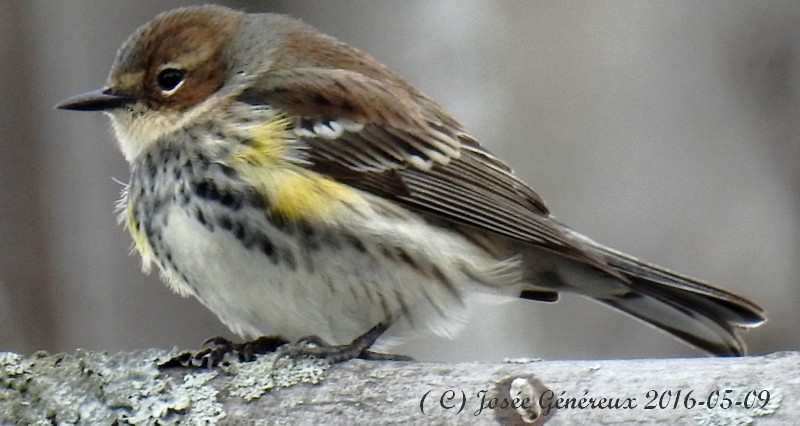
x: 96, y: 388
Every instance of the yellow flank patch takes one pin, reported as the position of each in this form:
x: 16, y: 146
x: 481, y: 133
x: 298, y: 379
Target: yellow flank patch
x: 296, y: 194
x: 292, y: 192
x: 311, y: 197
x: 269, y: 143
x: 137, y: 233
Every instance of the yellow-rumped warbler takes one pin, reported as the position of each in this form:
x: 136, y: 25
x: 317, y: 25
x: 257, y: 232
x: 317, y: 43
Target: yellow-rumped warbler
x: 294, y: 185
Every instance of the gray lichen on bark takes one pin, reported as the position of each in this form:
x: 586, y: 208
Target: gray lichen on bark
x: 128, y: 388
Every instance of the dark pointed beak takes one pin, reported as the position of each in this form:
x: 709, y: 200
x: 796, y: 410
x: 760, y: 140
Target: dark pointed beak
x: 96, y: 100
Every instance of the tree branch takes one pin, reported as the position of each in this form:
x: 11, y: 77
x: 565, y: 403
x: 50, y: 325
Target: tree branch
x: 97, y: 388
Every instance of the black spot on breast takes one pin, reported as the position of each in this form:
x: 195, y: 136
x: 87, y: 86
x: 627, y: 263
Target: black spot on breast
x: 280, y: 222
x: 227, y: 171
x: 198, y: 214
x: 205, y: 189
x: 289, y: 259
x: 156, y: 205
x: 255, y: 200
x: 356, y: 243
x: 210, y: 191
x: 268, y: 249
x: 308, y: 234
x: 152, y: 170
x: 184, y: 196
x: 228, y: 200
x: 238, y: 232
x: 406, y: 258
x: 330, y: 240
x: 202, y: 162
x: 387, y: 252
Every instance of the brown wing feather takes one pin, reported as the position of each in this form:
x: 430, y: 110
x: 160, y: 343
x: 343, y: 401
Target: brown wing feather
x: 409, y: 150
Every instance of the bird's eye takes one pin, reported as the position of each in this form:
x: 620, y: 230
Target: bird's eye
x: 170, y: 79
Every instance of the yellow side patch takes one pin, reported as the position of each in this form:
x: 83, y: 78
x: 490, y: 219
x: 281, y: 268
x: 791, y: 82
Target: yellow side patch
x: 138, y: 235
x: 269, y: 143
x: 292, y: 192
x: 311, y: 197
x: 297, y: 195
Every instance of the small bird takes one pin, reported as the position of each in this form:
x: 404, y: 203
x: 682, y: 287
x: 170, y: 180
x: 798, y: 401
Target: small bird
x: 296, y: 186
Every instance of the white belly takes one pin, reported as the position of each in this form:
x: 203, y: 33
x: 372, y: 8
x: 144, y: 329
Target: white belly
x: 334, y: 293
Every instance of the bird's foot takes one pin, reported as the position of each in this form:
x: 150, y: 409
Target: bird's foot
x: 219, y: 351
x: 334, y: 354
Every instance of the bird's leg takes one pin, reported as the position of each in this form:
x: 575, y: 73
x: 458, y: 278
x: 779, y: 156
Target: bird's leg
x: 219, y: 350
x: 334, y: 354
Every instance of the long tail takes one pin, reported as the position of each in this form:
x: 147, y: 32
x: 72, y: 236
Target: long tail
x: 696, y: 312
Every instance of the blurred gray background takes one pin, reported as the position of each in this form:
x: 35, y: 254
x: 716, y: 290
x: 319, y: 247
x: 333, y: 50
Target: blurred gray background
x: 670, y: 130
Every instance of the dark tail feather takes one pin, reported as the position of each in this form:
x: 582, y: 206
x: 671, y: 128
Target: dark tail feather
x: 702, y: 315
x: 698, y: 313
x: 695, y: 312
